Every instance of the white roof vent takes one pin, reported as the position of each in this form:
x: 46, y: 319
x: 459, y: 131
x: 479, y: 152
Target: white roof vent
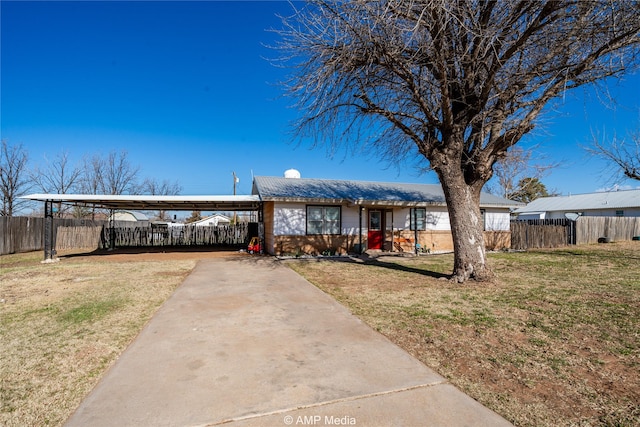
x: 292, y: 174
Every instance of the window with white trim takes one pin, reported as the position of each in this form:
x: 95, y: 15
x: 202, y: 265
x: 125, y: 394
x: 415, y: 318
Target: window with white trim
x: 324, y: 219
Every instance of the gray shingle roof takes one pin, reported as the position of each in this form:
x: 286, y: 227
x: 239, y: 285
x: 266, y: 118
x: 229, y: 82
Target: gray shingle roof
x: 624, y: 199
x: 359, y: 192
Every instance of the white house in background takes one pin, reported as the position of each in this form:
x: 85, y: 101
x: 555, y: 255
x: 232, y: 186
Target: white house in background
x: 213, y: 220
x: 621, y: 203
x: 129, y: 216
x: 315, y: 215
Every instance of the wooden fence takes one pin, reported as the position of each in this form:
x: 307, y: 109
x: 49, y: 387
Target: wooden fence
x: 185, y: 235
x: 542, y: 233
x: 591, y: 228
x: 24, y: 234
x: 20, y: 234
x: 552, y: 233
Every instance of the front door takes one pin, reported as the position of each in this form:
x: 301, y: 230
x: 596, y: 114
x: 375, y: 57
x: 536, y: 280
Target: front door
x: 375, y: 230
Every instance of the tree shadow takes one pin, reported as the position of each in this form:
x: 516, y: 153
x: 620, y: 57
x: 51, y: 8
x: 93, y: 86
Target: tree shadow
x: 155, y: 249
x: 389, y: 265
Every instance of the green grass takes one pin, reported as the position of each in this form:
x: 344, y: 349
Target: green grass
x: 89, y: 311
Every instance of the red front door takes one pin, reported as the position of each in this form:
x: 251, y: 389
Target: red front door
x: 375, y: 230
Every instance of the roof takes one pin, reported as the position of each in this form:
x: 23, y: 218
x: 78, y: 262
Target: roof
x: 138, y: 216
x: 359, y: 192
x: 623, y: 199
x: 146, y: 202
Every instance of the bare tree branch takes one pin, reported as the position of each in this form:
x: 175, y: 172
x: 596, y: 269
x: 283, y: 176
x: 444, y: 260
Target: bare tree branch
x: 14, y: 177
x: 623, y: 156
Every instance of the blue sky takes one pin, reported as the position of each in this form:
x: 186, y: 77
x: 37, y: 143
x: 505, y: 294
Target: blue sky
x: 185, y: 88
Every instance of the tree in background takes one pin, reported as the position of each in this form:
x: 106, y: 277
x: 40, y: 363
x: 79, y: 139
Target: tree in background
x: 623, y: 156
x: 164, y: 188
x: 118, y: 175
x: 528, y: 190
x: 58, y: 176
x: 14, y: 177
x: 516, y: 171
x: 195, y: 216
x: 457, y: 83
x: 111, y: 175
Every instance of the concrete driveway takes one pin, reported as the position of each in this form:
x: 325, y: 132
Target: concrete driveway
x: 246, y: 341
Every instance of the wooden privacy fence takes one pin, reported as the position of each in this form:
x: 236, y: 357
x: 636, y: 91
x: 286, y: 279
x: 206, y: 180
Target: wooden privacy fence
x: 20, y: 234
x: 84, y: 237
x: 542, y: 233
x: 591, y: 228
x: 552, y: 233
x: 185, y: 235
x: 24, y: 234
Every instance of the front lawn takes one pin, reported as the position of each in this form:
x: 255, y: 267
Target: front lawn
x: 554, y: 340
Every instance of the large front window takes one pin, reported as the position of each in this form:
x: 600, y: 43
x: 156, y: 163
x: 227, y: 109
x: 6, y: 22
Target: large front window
x: 323, y: 219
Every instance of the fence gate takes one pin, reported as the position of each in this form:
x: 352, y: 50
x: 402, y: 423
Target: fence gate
x: 542, y: 233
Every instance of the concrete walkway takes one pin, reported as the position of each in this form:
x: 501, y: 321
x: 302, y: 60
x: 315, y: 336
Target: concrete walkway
x: 248, y: 342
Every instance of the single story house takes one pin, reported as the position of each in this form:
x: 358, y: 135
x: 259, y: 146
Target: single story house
x: 130, y: 218
x: 621, y: 203
x: 212, y: 220
x: 317, y: 215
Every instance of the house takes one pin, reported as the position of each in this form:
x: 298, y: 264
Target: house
x: 213, y: 220
x: 621, y: 203
x: 126, y: 218
x: 318, y: 215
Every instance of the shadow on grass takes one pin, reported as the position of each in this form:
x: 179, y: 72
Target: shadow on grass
x: 390, y: 265
x: 156, y: 249
x: 408, y: 269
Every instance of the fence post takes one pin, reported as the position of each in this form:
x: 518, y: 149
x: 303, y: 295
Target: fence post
x: 49, y: 240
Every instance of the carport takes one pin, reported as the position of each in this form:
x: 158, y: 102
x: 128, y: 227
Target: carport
x: 141, y: 202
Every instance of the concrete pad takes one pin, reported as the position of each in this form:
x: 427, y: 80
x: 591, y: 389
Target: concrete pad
x: 247, y: 341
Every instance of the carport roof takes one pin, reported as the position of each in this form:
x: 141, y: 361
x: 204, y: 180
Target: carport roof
x: 147, y: 202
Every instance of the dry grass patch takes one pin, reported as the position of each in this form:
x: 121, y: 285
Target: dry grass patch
x: 63, y: 324
x: 554, y: 340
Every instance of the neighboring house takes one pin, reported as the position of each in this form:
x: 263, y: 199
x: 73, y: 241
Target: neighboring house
x: 213, y: 220
x: 316, y: 215
x: 622, y: 203
x: 140, y: 219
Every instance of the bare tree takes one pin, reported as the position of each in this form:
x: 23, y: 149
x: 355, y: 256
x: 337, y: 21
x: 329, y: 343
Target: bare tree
x: 164, y: 188
x: 14, y: 177
x: 119, y: 176
x: 112, y: 174
x: 622, y: 155
x: 58, y: 176
x: 517, y: 170
x: 458, y: 82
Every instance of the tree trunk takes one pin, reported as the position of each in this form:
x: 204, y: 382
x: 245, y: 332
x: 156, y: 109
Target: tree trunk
x: 467, y: 228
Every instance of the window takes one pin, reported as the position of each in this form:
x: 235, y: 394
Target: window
x: 619, y: 213
x: 323, y: 220
x: 418, y: 219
